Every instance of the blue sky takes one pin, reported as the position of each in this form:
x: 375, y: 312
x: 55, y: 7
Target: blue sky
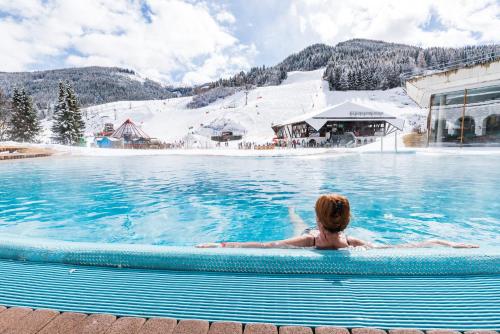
x: 191, y: 41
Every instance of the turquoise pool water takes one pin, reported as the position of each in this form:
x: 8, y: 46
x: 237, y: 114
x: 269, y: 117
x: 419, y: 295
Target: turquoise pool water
x: 185, y: 200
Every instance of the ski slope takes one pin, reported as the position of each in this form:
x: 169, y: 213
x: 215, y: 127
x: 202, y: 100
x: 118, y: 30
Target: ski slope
x: 302, y: 92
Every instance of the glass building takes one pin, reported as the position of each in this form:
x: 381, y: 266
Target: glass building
x: 465, y: 117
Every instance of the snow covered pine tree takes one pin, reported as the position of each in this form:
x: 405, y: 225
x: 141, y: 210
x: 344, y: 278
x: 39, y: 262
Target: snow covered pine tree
x: 68, y: 126
x: 78, y: 126
x: 24, y: 125
x: 62, y: 119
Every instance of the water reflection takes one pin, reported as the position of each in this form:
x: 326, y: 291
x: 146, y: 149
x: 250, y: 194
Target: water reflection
x: 186, y: 200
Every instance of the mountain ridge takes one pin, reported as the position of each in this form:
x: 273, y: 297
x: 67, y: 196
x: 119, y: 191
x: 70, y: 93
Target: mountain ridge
x: 93, y: 85
x: 356, y: 64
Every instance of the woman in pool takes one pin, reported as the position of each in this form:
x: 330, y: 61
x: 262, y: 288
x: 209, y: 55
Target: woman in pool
x: 333, y: 214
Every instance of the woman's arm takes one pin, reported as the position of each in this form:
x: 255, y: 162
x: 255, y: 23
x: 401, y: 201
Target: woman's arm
x: 355, y: 242
x: 301, y: 241
x: 430, y: 243
x: 437, y: 242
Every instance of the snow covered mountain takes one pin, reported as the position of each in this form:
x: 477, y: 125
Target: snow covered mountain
x: 357, y: 64
x: 93, y: 85
x: 362, y: 64
x: 302, y: 92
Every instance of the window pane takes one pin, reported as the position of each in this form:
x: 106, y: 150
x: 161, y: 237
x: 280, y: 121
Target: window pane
x: 478, y: 124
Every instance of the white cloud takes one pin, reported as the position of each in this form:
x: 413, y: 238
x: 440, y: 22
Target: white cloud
x: 221, y: 66
x: 193, y: 41
x: 461, y: 22
x: 225, y: 17
x: 178, y: 36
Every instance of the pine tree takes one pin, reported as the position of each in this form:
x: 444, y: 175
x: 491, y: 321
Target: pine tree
x: 32, y: 119
x: 350, y: 80
x: 68, y: 127
x: 344, y: 83
x: 332, y: 81
x: 78, y: 125
x: 24, y: 125
x: 338, y: 77
x: 421, y: 62
x: 63, y: 120
x: 358, y: 83
x: 372, y: 78
x: 366, y: 78
x: 283, y: 74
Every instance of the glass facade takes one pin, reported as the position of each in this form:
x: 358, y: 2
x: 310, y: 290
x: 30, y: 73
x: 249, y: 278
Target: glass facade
x: 331, y: 128
x: 465, y: 117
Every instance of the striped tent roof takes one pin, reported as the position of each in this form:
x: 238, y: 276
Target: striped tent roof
x: 130, y: 131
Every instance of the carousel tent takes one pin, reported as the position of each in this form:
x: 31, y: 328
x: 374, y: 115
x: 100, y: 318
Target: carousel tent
x: 129, y: 131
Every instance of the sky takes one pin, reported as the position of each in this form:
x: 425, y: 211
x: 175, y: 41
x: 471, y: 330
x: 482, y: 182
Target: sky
x: 185, y: 42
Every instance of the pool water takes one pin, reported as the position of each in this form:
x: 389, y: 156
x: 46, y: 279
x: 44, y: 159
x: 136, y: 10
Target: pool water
x: 185, y: 200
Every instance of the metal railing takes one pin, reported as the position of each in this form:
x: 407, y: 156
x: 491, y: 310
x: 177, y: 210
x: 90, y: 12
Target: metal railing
x: 447, y: 66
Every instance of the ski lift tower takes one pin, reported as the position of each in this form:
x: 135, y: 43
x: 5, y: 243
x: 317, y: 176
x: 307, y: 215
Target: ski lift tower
x: 247, y: 90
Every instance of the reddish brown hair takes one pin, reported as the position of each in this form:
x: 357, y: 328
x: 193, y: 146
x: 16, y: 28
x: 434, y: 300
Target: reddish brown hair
x: 333, y: 212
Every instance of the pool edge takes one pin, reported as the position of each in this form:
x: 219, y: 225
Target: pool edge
x: 411, y: 262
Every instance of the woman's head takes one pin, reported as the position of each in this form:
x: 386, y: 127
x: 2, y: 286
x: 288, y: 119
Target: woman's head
x: 333, y: 212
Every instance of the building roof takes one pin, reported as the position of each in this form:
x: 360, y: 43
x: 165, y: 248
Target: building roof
x: 420, y: 88
x: 130, y: 130
x: 346, y: 111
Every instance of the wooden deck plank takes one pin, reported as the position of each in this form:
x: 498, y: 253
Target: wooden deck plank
x: 12, y: 316
x: 95, y: 324
x: 23, y: 156
x: 158, y: 326
x: 126, y: 325
x: 63, y: 323
x: 32, y: 323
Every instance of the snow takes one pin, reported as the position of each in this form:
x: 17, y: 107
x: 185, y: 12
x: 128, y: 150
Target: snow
x: 63, y: 150
x: 306, y: 153
x: 302, y: 92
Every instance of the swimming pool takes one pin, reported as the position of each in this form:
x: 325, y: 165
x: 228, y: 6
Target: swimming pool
x: 83, y: 233
x: 182, y: 201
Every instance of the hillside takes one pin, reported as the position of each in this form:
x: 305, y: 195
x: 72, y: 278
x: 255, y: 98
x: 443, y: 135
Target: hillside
x: 357, y: 64
x: 301, y: 92
x: 93, y: 85
x: 364, y: 64
x: 361, y: 64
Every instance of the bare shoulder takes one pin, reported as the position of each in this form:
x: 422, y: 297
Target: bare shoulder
x: 306, y: 240
x: 313, y: 233
x: 352, y: 241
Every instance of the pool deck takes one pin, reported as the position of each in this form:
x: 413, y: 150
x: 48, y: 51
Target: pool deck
x: 21, y: 152
x: 462, y: 303
x: 22, y: 320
